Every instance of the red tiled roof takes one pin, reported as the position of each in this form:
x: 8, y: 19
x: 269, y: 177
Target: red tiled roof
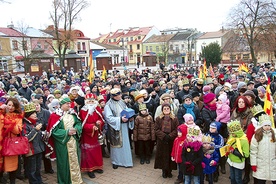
x: 11, y: 32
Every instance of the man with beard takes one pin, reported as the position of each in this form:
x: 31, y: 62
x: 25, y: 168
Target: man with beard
x: 183, y: 92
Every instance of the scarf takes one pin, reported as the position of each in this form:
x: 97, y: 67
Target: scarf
x: 211, y: 107
x: 237, y: 141
x: 33, y: 121
x: 189, y: 109
x: 195, y: 145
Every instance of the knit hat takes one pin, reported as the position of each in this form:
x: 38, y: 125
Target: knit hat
x: 262, y: 89
x: 233, y: 81
x: 149, y: 90
x: 54, y: 103
x: 50, y: 96
x: 241, y: 84
x: 87, y: 89
x: 195, y: 94
x: 227, y: 84
x: 223, y: 98
x: 132, y: 89
x: 57, y: 91
x: 264, y: 119
x: 250, y: 82
x: 249, y: 93
x: 218, y: 89
x: 188, y: 117
x: 209, y: 98
x: 215, y: 125
x: 187, y: 96
x: 166, y: 105
x: 206, y: 88
x: 138, y: 95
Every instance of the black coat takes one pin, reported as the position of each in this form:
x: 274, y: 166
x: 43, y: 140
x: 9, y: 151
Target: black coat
x: 208, y: 117
x: 195, y: 157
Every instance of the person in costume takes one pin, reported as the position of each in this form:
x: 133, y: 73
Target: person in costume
x: 12, y: 127
x: 237, y: 152
x: 64, y: 130
x: 210, y: 158
x: 263, y: 152
x: 120, y: 146
x: 92, y: 123
x: 166, y: 131
x: 32, y: 130
x: 192, y: 155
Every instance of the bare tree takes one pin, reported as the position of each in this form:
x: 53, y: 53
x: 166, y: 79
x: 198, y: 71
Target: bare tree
x: 252, y: 20
x: 64, y: 15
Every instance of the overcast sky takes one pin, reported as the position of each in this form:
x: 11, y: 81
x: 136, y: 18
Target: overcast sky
x: 103, y: 16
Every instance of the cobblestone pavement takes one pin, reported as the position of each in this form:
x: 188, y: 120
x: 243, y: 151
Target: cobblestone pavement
x: 139, y: 174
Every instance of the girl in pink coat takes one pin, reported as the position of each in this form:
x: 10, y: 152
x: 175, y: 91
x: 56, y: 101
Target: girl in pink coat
x: 223, y: 114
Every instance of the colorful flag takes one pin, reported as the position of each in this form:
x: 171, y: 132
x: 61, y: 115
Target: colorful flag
x: 243, y: 67
x: 211, y: 71
x: 104, y: 74
x: 205, y: 69
x: 267, y: 103
x: 91, y: 70
x: 200, y: 72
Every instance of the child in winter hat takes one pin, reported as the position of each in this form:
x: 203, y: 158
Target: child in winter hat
x: 223, y: 113
x: 176, y: 153
x: 192, y: 154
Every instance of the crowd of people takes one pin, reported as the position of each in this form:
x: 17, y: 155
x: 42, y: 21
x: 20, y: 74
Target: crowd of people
x: 197, y: 126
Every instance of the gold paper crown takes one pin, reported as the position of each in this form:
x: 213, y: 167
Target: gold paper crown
x: 100, y: 97
x: 207, y: 139
x: 194, y: 131
x: 30, y: 107
x: 264, y: 119
x: 234, y: 126
x: 256, y: 109
x: 142, y: 107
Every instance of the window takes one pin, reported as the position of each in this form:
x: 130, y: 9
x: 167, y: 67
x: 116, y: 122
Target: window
x: 176, y: 49
x: 131, y: 38
x: 14, y: 45
x: 130, y: 48
x: 83, y: 46
x: 245, y: 57
x: 126, y: 39
x: 157, y: 48
x: 171, y: 47
x: 139, y: 37
x: 182, y: 47
x: 46, y: 45
x: 131, y: 57
x: 24, y: 45
x: 147, y: 48
x: 150, y: 48
x: 38, y: 45
x: 138, y: 46
x: 109, y: 41
x: 79, y: 46
x: 114, y: 40
x: 3, y: 65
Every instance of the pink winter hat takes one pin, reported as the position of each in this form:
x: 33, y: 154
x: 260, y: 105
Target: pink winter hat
x: 209, y: 98
x: 223, y: 98
x: 188, y: 117
x: 206, y: 88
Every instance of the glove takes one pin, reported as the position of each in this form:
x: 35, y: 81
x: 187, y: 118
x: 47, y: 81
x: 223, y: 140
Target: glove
x: 213, y: 163
x: 191, y: 168
x: 167, y: 138
x: 231, y: 149
x: 237, y: 153
x: 254, y: 168
x: 203, y: 165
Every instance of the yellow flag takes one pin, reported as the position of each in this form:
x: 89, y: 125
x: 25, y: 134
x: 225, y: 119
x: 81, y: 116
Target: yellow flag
x: 104, y: 73
x: 267, y: 103
x: 91, y: 70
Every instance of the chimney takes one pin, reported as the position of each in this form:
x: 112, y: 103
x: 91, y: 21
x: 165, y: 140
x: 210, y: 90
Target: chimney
x: 222, y: 29
x: 10, y: 25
